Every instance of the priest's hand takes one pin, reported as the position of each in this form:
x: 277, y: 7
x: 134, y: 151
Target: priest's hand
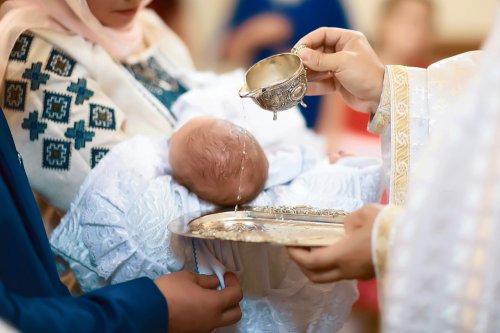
x: 343, y: 61
x: 195, y: 304
x: 350, y: 258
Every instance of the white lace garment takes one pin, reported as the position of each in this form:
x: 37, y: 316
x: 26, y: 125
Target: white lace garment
x: 116, y: 230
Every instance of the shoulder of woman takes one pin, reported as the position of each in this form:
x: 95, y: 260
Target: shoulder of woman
x: 62, y: 120
x: 75, y: 46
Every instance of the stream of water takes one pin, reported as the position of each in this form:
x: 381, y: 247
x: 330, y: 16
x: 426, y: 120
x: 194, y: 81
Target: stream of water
x: 243, y: 156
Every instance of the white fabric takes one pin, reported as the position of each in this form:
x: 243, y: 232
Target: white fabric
x: 136, y: 110
x: 6, y: 328
x: 430, y: 95
x: 116, y: 230
x: 218, y: 98
x: 444, y: 251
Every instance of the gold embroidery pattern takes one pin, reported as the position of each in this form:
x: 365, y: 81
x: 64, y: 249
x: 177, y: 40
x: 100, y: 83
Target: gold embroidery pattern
x: 383, y: 233
x: 400, y: 135
x: 382, y: 118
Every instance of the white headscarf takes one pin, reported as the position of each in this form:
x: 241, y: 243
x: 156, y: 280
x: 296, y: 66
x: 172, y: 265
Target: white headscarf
x: 70, y: 16
x: 444, y: 260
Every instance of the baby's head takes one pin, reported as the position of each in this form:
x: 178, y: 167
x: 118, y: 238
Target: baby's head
x: 206, y: 155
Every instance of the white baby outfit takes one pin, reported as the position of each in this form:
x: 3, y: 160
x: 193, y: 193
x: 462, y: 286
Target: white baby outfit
x: 116, y: 228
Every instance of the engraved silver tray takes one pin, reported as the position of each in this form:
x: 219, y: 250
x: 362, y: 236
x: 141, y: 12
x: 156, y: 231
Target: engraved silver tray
x: 297, y: 226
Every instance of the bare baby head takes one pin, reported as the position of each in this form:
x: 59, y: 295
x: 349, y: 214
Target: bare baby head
x: 207, y: 157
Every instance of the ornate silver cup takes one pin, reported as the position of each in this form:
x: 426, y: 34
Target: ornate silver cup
x: 277, y: 83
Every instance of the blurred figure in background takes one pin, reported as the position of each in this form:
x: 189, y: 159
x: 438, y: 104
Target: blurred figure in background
x: 405, y: 36
x: 406, y: 32
x: 261, y: 28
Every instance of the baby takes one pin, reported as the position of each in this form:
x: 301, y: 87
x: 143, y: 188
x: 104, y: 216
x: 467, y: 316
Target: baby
x: 218, y: 161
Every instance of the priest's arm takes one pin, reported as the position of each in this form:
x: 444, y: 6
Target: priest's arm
x: 413, y: 101
x: 406, y: 103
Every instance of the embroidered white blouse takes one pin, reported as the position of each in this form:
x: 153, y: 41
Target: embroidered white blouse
x: 68, y: 102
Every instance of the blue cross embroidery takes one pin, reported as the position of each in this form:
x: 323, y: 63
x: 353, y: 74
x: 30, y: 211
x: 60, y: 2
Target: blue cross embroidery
x: 60, y: 63
x: 56, y: 154
x: 102, y: 117
x: 15, y: 95
x: 56, y: 107
x: 36, y: 76
x: 96, y: 155
x: 81, y: 91
x: 21, y: 48
x: 79, y: 134
x: 33, y: 125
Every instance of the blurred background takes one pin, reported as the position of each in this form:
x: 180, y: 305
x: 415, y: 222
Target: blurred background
x: 227, y: 34
x: 460, y: 24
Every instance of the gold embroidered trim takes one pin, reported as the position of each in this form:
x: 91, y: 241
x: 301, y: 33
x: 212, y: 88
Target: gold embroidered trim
x: 384, y: 224
x: 382, y: 118
x: 400, y: 134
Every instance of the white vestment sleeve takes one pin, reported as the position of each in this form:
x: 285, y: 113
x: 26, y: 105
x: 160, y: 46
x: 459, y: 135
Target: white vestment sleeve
x: 413, y: 100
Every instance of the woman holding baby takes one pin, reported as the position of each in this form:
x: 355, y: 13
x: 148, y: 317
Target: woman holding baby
x: 78, y: 78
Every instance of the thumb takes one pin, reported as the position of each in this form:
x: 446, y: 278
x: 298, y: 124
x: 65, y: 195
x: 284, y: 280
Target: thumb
x: 207, y: 281
x: 319, y: 61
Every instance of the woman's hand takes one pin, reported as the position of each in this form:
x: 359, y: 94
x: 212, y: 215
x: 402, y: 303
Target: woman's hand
x: 343, y: 61
x: 350, y: 258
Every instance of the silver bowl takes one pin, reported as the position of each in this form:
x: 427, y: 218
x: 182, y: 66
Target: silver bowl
x: 277, y: 83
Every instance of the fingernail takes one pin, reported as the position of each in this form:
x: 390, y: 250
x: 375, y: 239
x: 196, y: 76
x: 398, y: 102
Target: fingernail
x: 305, y: 54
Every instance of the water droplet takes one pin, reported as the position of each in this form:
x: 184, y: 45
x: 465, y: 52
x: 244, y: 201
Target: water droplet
x: 275, y: 116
